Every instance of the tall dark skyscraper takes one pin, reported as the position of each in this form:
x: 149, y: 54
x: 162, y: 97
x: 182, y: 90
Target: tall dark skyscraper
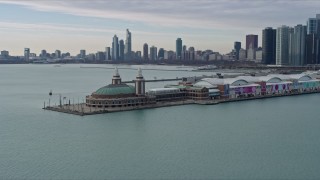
x: 178, y: 48
x: 312, y: 49
x: 269, y: 45
x: 115, y: 48
x: 237, y: 47
x: 121, y: 50
x: 145, y: 52
x: 161, y: 54
x: 127, y: 51
x: 251, y: 40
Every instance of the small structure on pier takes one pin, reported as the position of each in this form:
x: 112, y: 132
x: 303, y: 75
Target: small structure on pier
x: 119, y: 94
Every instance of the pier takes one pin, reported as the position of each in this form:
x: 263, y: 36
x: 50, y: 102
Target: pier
x: 83, y: 110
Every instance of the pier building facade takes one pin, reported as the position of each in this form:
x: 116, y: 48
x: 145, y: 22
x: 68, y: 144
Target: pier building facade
x: 118, y: 94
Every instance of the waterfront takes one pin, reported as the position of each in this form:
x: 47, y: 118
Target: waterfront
x: 269, y: 138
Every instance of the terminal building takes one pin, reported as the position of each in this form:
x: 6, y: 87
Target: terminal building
x: 248, y: 86
x: 118, y: 94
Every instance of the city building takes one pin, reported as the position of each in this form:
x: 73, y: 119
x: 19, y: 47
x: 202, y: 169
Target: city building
x: 258, y: 58
x: 57, y: 54
x: 153, y: 53
x: 298, y: 45
x: 127, y: 51
x: 145, y: 52
x: 5, y: 54
x: 269, y: 45
x: 27, y: 54
x: 312, y: 24
x: 282, y: 45
x: 237, y: 47
x: 115, y: 48
x: 108, y: 53
x: 43, y: 54
x: 178, y: 48
x: 121, y: 50
x: 100, y: 56
x: 251, y: 41
x: 161, y: 54
x: 312, y: 49
x: 82, y: 53
x: 169, y: 55
x: 242, y: 54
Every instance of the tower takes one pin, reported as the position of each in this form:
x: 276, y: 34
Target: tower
x: 178, y: 48
x: 26, y: 54
x: 269, y: 45
x: 127, y: 51
x: 140, y: 84
x: 115, y: 48
x: 116, y: 79
x: 282, y: 45
x: 145, y: 51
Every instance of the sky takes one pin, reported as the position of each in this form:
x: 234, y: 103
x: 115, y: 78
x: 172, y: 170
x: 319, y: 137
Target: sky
x: 71, y: 25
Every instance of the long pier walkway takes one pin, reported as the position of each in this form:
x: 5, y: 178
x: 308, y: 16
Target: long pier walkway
x: 82, y: 110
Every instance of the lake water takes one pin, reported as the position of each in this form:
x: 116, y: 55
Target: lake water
x: 275, y: 138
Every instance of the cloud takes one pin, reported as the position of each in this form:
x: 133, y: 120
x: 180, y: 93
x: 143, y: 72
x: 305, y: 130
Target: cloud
x: 202, y: 14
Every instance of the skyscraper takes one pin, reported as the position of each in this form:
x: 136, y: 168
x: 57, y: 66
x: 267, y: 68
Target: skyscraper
x: 297, y: 45
x: 43, y: 54
x: 57, y: 54
x: 282, y: 45
x: 269, y: 45
x: 312, y: 49
x: 121, y: 50
x: 128, y: 50
x: 178, y: 48
x: 108, y: 53
x: 312, y: 26
x: 161, y: 54
x: 153, y: 53
x: 26, y: 54
x: 115, y: 48
x: 82, y: 53
x: 252, y: 40
x: 237, y: 47
x: 145, y: 52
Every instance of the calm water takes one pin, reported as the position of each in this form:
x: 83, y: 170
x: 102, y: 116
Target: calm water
x: 269, y: 139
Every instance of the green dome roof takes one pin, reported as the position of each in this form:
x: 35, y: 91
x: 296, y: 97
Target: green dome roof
x: 116, y: 89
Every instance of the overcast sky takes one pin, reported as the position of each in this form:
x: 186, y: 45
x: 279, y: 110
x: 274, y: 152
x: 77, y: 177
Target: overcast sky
x: 82, y: 24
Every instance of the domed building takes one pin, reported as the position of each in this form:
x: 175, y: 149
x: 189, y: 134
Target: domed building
x: 119, y: 94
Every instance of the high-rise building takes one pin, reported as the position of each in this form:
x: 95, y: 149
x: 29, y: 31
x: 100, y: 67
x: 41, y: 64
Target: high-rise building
x: 191, y: 53
x: 312, y: 26
x: 282, y: 45
x: 237, y: 47
x: 5, y: 53
x: 161, y: 54
x: 108, y: 53
x: 100, y: 56
x: 312, y: 49
x: 153, y: 53
x: 252, y: 40
x: 145, y: 52
x: 121, y: 50
x: 57, y: 54
x: 115, y: 48
x: 178, y: 48
x: 128, y: 50
x: 269, y: 45
x: 43, y: 54
x: 82, y: 53
x: 26, y: 54
x: 297, y: 45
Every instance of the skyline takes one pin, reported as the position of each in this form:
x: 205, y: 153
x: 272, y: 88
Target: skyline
x: 90, y: 25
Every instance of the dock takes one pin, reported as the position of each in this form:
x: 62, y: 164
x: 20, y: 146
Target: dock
x: 83, y: 110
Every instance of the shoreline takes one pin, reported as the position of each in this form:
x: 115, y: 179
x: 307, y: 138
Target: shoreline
x: 83, y: 110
